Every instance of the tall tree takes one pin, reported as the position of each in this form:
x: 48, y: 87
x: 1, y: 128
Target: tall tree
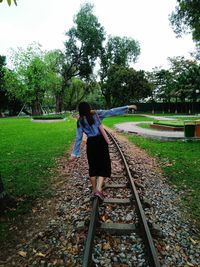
x: 164, y: 82
x: 82, y: 47
x: 31, y: 73
x: 3, y: 98
x: 121, y: 51
x: 54, y: 60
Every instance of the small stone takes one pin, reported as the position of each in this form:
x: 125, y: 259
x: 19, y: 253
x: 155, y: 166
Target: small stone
x: 129, y: 217
x: 80, y: 225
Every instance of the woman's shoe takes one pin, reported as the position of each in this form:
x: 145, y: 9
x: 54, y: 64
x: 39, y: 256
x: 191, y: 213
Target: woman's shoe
x: 99, y: 195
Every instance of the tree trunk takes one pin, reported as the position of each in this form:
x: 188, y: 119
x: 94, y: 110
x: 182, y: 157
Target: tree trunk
x: 108, y: 99
x: 59, y: 103
x: 6, y: 201
x: 169, y: 105
x: 176, y: 110
x: 194, y: 100
x: 36, y: 108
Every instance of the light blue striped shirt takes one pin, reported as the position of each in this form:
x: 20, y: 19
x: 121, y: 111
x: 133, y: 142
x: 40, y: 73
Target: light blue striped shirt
x: 93, y: 130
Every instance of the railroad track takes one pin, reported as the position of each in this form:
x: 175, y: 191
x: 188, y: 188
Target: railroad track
x: 123, y: 185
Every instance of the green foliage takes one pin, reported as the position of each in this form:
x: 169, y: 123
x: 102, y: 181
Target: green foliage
x: 186, y: 75
x: 164, y: 82
x: 83, y: 44
x: 95, y: 97
x: 49, y: 117
x: 54, y: 61
x: 3, y: 98
x: 120, y: 52
x: 180, y: 82
x: 36, y: 76
x: 186, y: 18
x: 77, y: 91
x: 27, y: 82
x: 126, y: 85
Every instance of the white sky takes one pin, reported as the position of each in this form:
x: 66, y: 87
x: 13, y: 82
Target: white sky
x: 46, y: 21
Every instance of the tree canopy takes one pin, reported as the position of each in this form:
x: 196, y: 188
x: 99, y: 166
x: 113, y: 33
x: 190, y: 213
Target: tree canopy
x: 83, y: 44
x: 27, y: 81
x: 186, y: 18
x: 118, y: 51
x: 126, y: 85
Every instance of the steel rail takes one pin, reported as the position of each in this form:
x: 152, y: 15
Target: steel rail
x: 87, y: 257
x: 150, y: 248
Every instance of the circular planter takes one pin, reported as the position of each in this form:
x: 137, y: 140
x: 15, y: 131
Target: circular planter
x: 163, y: 127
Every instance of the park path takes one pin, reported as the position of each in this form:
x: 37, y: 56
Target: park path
x: 133, y: 127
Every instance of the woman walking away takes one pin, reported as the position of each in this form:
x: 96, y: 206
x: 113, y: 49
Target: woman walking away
x: 89, y: 122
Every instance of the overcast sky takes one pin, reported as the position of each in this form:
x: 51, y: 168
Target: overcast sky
x: 46, y: 21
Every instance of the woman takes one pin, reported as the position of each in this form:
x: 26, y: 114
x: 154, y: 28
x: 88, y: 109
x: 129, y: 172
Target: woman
x: 97, y: 147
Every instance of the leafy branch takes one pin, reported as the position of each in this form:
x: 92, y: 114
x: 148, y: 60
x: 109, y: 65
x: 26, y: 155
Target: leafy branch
x: 9, y: 2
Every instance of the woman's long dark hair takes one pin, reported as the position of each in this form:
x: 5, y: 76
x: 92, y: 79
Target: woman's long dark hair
x: 85, y: 110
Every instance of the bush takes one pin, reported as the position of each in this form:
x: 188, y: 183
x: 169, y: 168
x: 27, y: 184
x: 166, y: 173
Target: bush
x: 49, y: 117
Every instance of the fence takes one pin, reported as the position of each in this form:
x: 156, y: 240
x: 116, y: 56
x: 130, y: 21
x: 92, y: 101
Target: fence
x: 188, y: 107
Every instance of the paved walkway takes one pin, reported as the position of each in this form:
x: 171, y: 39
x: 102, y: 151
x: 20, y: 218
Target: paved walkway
x: 132, y: 127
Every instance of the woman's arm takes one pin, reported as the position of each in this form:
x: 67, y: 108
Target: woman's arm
x: 115, y: 111
x: 76, y: 150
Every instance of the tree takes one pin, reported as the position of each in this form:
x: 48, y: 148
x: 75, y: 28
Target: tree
x: 54, y: 61
x: 30, y: 75
x: 3, y: 98
x: 186, y: 18
x: 164, y: 82
x: 120, y: 51
x: 126, y: 85
x: 77, y: 91
x: 187, y: 77
x: 82, y: 47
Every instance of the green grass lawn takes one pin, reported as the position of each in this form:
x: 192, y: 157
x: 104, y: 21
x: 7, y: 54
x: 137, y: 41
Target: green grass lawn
x: 145, y: 126
x: 28, y: 152
x: 182, y: 168
x: 125, y: 118
x: 188, y: 118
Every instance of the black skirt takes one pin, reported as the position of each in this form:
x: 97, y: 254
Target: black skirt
x: 98, y: 156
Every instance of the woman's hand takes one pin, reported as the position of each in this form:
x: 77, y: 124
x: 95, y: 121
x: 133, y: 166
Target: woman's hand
x: 132, y: 107
x: 72, y: 158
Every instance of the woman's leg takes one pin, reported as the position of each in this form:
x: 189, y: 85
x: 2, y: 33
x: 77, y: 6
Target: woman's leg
x: 100, y: 183
x: 93, y: 181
